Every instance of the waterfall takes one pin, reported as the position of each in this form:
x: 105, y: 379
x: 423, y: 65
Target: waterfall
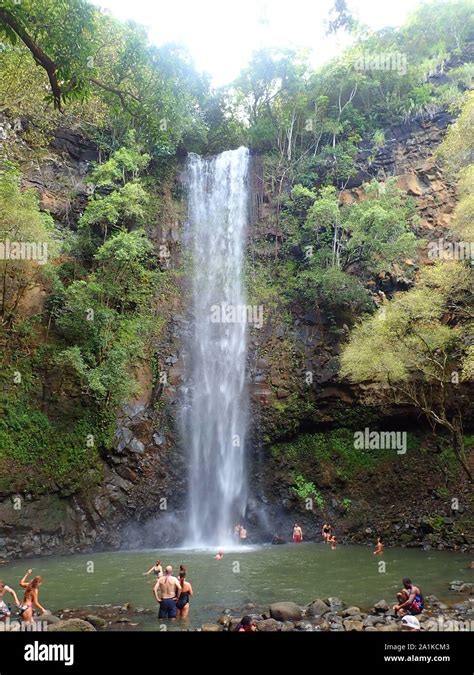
x: 215, y: 416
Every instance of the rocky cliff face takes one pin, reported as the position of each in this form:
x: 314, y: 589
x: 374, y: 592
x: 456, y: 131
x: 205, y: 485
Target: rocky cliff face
x: 142, y: 496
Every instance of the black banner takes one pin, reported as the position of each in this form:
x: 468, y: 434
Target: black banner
x: 122, y: 652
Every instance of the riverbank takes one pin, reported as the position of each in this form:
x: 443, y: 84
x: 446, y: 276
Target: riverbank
x: 320, y: 615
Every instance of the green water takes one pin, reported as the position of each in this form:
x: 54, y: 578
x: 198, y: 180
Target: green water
x: 259, y: 575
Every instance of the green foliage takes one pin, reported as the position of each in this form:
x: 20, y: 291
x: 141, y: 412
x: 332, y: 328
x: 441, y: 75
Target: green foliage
x: 368, y: 237
x: 309, y: 451
x: 62, y: 31
x: 303, y: 489
x: 457, y: 148
x: 21, y: 222
x: 34, y: 451
x: 346, y: 504
x: 125, y: 201
x: 409, y: 335
x: 105, y: 320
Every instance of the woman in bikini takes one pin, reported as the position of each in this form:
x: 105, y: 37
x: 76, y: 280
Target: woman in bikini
x: 182, y: 605
x: 4, y: 608
x: 156, y: 569
x: 30, y: 598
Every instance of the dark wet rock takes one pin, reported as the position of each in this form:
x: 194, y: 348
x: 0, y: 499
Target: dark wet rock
x: 372, y: 620
x: 269, y: 626
x: 461, y: 587
x: 285, y: 611
x: 317, y: 608
x: 351, y: 611
x: 335, y: 603
x: 381, y: 606
x: 97, y: 621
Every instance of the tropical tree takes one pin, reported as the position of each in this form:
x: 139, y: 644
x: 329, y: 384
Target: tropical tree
x: 417, y: 347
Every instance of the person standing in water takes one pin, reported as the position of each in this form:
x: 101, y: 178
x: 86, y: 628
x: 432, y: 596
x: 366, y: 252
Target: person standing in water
x: 156, y: 569
x: 379, y: 547
x: 243, y: 534
x: 4, y: 609
x: 166, y: 591
x: 326, y: 532
x: 297, y: 534
x: 30, y: 598
x: 184, y: 596
x: 332, y: 541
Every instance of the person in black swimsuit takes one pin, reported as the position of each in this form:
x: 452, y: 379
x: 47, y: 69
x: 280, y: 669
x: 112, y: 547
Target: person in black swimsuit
x: 184, y: 596
x: 326, y: 532
x: 156, y: 569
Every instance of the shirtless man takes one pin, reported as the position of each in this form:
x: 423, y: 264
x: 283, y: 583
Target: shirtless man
x: 410, y: 599
x: 4, y: 609
x: 166, y: 591
x: 243, y: 534
x: 297, y: 534
x: 379, y: 546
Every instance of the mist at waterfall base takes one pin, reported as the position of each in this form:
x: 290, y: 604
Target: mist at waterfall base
x: 214, y: 414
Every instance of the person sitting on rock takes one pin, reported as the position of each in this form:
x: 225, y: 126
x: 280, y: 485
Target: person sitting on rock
x: 247, y: 625
x: 379, y: 547
x: 410, y: 599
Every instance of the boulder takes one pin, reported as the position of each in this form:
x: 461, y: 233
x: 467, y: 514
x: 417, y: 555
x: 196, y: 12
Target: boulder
x: 71, y: 626
x: 317, y: 608
x: 269, y: 626
x: 335, y: 603
x: 210, y: 628
x: 285, y: 611
x: 388, y: 628
x: 381, y: 606
x: 351, y: 611
x: 373, y: 620
x: 97, y: 621
x: 351, y: 625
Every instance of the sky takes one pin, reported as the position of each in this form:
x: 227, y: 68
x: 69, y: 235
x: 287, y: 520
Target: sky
x: 221, y: 35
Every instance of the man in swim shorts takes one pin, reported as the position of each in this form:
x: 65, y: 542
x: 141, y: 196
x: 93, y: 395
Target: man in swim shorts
x: 410, y: 599
x: 166, y: 591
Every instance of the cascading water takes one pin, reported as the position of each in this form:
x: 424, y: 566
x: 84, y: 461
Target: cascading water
x: 215, y: 416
